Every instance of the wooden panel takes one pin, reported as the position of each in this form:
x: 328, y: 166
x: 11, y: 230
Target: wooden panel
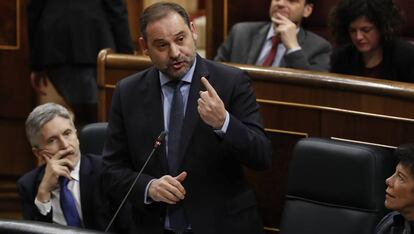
x: 16, y: 102
x: 15, y: 151
x: 9, y: 200
x: 9, y: 31
x: 296, y: 104
x: 367, y: 128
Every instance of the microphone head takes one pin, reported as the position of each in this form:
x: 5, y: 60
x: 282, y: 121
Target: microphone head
x: 161, y: 137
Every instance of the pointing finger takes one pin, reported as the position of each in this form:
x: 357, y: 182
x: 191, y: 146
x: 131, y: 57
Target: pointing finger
x: 208, y: 86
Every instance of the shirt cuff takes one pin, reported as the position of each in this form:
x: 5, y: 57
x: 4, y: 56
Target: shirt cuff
x: 293, y: 50
x: 44, y: 208
x: 223, y: 129
x: 148, y: 200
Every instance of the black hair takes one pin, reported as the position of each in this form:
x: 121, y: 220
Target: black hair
x: 160, y: 10
x: 384, y: 14
x: 405, y: 155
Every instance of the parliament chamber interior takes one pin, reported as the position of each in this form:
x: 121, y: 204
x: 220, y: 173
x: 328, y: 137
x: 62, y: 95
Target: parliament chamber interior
x: 325, y: 128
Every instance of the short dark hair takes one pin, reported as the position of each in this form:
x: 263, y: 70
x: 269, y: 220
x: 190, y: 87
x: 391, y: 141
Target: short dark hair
x: 384, y: 14
x: 309, y: 1
x: 158, y: 11
x: 405, y: 155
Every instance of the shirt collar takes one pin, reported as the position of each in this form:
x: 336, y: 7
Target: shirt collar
x: 188, y: 77
x: 75, y: 172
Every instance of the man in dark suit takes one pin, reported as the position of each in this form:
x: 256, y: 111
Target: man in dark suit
x: 195, y: 182
x: 53, y: 138
x: 65, y: 38
x: 251, y: 42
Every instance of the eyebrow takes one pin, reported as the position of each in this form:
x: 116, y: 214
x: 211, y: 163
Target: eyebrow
x: 401, y: 174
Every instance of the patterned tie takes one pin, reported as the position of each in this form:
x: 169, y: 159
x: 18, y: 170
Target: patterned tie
x: 176, y: 214
x: 67, y: 203
x: 270, y: 57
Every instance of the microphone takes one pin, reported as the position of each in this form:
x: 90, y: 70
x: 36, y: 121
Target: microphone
x: 157, y: 143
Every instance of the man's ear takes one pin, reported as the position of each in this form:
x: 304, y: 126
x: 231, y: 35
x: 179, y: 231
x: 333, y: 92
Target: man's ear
x: 307, y: 11
x: 193, y: 31
x: 143, y: 45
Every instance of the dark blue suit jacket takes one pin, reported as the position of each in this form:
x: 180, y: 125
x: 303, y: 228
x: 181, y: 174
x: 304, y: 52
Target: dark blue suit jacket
x: 93, y: 206
x: 218, y: 198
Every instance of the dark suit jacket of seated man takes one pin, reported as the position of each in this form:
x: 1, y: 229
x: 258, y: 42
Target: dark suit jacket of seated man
x: 250, y: 42
x: 56, y: 142
x: 208, y: 185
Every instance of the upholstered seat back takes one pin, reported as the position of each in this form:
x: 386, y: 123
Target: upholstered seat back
x: 336, y: 187
x: 92, y: 138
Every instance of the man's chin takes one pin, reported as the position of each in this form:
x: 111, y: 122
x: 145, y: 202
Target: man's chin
x: 176, y: 74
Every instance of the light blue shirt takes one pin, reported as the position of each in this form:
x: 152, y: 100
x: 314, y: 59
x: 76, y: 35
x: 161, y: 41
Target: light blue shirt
x: 281, y: 49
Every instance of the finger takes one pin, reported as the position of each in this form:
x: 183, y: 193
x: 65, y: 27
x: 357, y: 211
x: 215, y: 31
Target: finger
x: 66, y: 163
x: 201, y: 102
x: 175, y: 187
x: 210, y: 89
x: 46, y: 158
x: 166, y: 189
x: 276, y: 20
x: 205, y: 96
x: 62, y: 153
x: 62, y: 171
x: 181, y: 177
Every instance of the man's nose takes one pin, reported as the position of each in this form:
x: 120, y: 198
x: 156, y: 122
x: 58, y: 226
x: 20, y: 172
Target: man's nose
x: 281, y: 3
x: 174, y: 51
x: 63, y: 142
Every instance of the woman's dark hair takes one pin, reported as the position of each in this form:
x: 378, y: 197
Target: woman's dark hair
x: 405, y: 156
x: 384, y: 14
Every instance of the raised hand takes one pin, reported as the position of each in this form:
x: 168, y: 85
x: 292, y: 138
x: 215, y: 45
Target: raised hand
x: 210, y: 106
x: 56, y: 166
x: 287, y: 30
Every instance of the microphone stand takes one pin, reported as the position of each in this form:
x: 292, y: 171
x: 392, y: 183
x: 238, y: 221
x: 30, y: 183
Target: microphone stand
x: 157, y: 143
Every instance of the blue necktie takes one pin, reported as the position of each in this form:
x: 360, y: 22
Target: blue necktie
x: 68, y: 205
x: 176, y: 213
x: 174, y: 128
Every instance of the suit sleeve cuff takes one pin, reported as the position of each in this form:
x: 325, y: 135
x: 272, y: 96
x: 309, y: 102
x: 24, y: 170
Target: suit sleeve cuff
x: 293, y: 50
x: 148, y: 200
x: 223, y: 129
x: 44, y: 208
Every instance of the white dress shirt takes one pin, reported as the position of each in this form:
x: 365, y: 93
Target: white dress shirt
x: 54, y: 204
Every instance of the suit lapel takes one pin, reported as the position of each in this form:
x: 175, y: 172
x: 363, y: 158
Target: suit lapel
x: 191, y: 115
x: 257, y: 44
x: 155, y: 118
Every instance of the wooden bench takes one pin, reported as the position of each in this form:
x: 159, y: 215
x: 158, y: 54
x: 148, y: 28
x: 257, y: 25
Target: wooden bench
x: 297, y: 104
